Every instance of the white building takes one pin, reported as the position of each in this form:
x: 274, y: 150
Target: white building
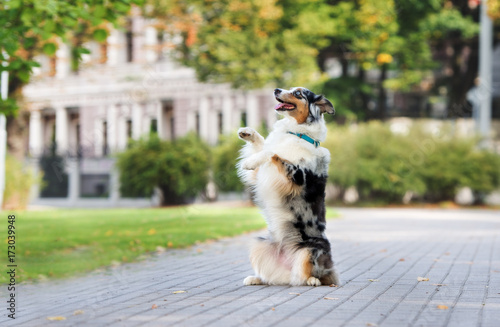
x: 125, y: 89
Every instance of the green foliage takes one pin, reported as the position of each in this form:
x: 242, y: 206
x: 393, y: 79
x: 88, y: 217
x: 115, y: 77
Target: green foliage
x: 28, y: 28
x: 179, y: 168
x: 455, y: 163
x: 346, y: 94
x: 225, y: 157
x: 18, y: 182
x: 384, y: 165
x: 371, y: 158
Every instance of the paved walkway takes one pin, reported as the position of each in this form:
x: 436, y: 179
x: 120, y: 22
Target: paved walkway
x: 380, y: 254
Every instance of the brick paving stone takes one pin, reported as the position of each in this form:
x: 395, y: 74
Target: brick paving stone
x: 380, y: 253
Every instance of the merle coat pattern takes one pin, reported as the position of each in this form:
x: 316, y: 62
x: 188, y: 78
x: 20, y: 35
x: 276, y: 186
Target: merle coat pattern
x: 288, y: 176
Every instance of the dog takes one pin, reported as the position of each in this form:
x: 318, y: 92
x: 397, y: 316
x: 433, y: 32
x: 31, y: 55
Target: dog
x: 287, y: 172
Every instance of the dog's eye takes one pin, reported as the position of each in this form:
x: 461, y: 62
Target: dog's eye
x: 297, y: 94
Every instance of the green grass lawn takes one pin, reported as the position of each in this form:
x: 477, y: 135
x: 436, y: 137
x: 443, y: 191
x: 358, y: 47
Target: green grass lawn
x: 61, y: 243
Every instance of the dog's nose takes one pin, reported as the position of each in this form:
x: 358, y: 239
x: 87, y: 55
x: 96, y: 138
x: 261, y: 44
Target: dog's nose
x: 277, y: 91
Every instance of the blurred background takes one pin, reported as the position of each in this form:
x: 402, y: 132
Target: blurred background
x: 114, y: 113
x: 135, y: 103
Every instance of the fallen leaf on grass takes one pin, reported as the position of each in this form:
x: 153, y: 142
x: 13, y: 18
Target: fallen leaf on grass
x: 442, y: 307
x: 373, y: 280
x: 178, y: 292
x: 56, y: 318
x: 154, y: 306
x: 422, y: 279
x: 152, y: 231
x: 78, y: 312
x: 331, y: 298
x: 170, y: 244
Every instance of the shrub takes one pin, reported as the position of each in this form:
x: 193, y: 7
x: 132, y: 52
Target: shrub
x: 383, y: 165
x: 18, y: 182
x: 55, y: 180
x: 225, y: 157
x: 178, y: 168
x: 371, y: 158
x: 456, y: 163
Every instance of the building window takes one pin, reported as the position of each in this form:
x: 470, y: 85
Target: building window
x: 129, y: 39
x: 197, y: 122
x: 243, y: 122
x: 153, y: 126
x: 129, y: 128
x: 79, y: 149
x: 105, y: 138
x: 172, y: 128
x: 220, y: 122
x: 160, y: 39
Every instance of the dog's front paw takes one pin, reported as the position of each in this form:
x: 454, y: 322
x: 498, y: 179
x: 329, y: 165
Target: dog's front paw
x: 247, y: 134
x: 252, y: 280
x: 313, y: 281
x: 250, y: 164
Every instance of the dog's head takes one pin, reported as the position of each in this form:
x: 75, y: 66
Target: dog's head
x: 302, y: 104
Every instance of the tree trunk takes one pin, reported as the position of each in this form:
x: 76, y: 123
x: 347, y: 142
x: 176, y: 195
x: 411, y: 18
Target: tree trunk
x: 382, y: 94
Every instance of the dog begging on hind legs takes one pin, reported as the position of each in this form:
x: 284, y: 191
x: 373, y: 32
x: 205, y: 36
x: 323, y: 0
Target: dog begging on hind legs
x: 288, y: 172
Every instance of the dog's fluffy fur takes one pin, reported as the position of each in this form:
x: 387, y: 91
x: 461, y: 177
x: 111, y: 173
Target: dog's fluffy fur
x: 288, y: 176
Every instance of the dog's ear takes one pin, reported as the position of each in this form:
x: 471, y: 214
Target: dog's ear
x: 324, y: 105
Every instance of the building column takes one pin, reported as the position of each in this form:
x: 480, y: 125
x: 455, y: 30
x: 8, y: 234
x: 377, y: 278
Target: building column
x: 159, y: 119
x: 98, y: 138
x: 63, y: 63
x: 204, y: 107
x: 114, y: 187
x: 121, y: 133
x: 73, y: 181
x: 150, y: 38
x: 35, y: 134
x: 252, y: 108
x: 137, y: 113
x: 61, y: 129
x: 227, y: 109
x: 111, y: 121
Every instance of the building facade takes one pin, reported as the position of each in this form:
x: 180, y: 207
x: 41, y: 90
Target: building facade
x: 127, y: 88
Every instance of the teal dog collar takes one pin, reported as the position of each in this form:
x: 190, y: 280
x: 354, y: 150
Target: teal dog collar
x: 306, y: 138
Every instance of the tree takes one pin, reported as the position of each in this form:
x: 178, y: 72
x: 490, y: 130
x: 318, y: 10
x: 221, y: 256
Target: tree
x: 29, y: 28
x: 253, y: 43
x: 250, y: 43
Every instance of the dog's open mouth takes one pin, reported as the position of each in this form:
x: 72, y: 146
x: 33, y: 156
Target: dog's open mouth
x: 283, y: 105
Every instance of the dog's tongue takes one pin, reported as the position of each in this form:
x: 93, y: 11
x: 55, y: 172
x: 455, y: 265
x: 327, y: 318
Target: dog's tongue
x: 283, y: 105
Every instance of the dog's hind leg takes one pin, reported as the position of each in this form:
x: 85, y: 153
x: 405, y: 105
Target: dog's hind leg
x: 253, y: 280
x: 269, y: 264
x: 302, y: 269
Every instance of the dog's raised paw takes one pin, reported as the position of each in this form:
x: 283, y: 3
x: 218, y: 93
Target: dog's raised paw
x: 313, y: 281
x: 250, y: 164
x: 246, y: 134
x: 252, y: 280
